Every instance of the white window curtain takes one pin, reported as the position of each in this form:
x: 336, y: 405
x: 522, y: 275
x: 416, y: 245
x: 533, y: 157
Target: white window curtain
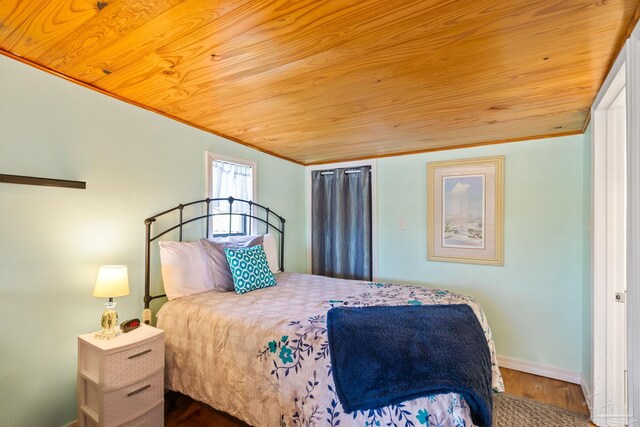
x: 230, y: 180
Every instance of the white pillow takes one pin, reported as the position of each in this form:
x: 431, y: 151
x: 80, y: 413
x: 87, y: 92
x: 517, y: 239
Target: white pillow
x: 271, y: 250
x: 184, y: 269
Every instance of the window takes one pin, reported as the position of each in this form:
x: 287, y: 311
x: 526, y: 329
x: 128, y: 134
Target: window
x: 230, y: 177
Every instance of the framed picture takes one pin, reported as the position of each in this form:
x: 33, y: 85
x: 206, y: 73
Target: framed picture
x: 465, y: 210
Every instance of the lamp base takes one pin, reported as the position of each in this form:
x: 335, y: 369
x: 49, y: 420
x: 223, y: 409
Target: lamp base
x: 108, y: 321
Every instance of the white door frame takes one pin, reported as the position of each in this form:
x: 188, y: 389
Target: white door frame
x: 374, y: 207
x: 624, y: 75
x: 608, y: 240
x: 633, y: 229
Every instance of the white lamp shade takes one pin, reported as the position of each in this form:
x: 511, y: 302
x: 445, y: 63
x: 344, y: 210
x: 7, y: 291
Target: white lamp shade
x: 113, y: 281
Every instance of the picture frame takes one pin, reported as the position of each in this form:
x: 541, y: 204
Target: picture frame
x: 465, y: 210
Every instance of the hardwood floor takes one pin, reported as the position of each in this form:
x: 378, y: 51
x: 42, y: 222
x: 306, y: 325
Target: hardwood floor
x: 554, y: 392
x: 190, y: 413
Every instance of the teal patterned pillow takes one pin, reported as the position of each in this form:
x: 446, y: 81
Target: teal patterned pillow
x: 249, y: 268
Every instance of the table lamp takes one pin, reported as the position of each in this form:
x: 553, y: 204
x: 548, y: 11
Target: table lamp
x: 112, y: 281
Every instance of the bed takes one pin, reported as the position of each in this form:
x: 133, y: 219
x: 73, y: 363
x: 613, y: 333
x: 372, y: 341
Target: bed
x: 263, y: 356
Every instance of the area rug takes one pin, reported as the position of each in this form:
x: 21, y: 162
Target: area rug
x: 514, y: 411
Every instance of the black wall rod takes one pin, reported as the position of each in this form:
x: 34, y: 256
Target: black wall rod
x: 49, y: 182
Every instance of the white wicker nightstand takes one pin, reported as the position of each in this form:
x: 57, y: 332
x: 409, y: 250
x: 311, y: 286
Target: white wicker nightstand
x: 121, y: 381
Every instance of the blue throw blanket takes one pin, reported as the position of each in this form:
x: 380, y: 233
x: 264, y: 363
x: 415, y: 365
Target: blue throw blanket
x: 386, y: 355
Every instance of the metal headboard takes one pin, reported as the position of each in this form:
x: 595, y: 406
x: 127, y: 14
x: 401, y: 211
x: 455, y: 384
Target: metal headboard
x: 254, y: 212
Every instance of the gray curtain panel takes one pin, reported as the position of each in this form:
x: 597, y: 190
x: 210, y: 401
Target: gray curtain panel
x: 341, y: 223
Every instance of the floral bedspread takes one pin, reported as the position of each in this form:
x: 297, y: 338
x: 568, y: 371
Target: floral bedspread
x: 263, y: 356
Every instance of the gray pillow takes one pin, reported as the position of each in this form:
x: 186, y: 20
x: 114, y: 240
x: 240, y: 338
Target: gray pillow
x: 217, y: 259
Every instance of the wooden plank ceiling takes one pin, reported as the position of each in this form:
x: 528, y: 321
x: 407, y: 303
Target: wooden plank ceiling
x: 319, y: 81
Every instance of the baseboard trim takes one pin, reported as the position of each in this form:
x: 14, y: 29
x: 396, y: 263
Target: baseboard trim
x: 540, y: 369
x: 72, y: 424
x: 586, y: 391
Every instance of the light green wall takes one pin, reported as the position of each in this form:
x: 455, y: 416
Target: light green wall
x: 53, y: 240
x: 586, y: 261
x: 534, y: 302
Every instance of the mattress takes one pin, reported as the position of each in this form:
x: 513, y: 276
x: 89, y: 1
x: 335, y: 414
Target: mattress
x: 263, y: 356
